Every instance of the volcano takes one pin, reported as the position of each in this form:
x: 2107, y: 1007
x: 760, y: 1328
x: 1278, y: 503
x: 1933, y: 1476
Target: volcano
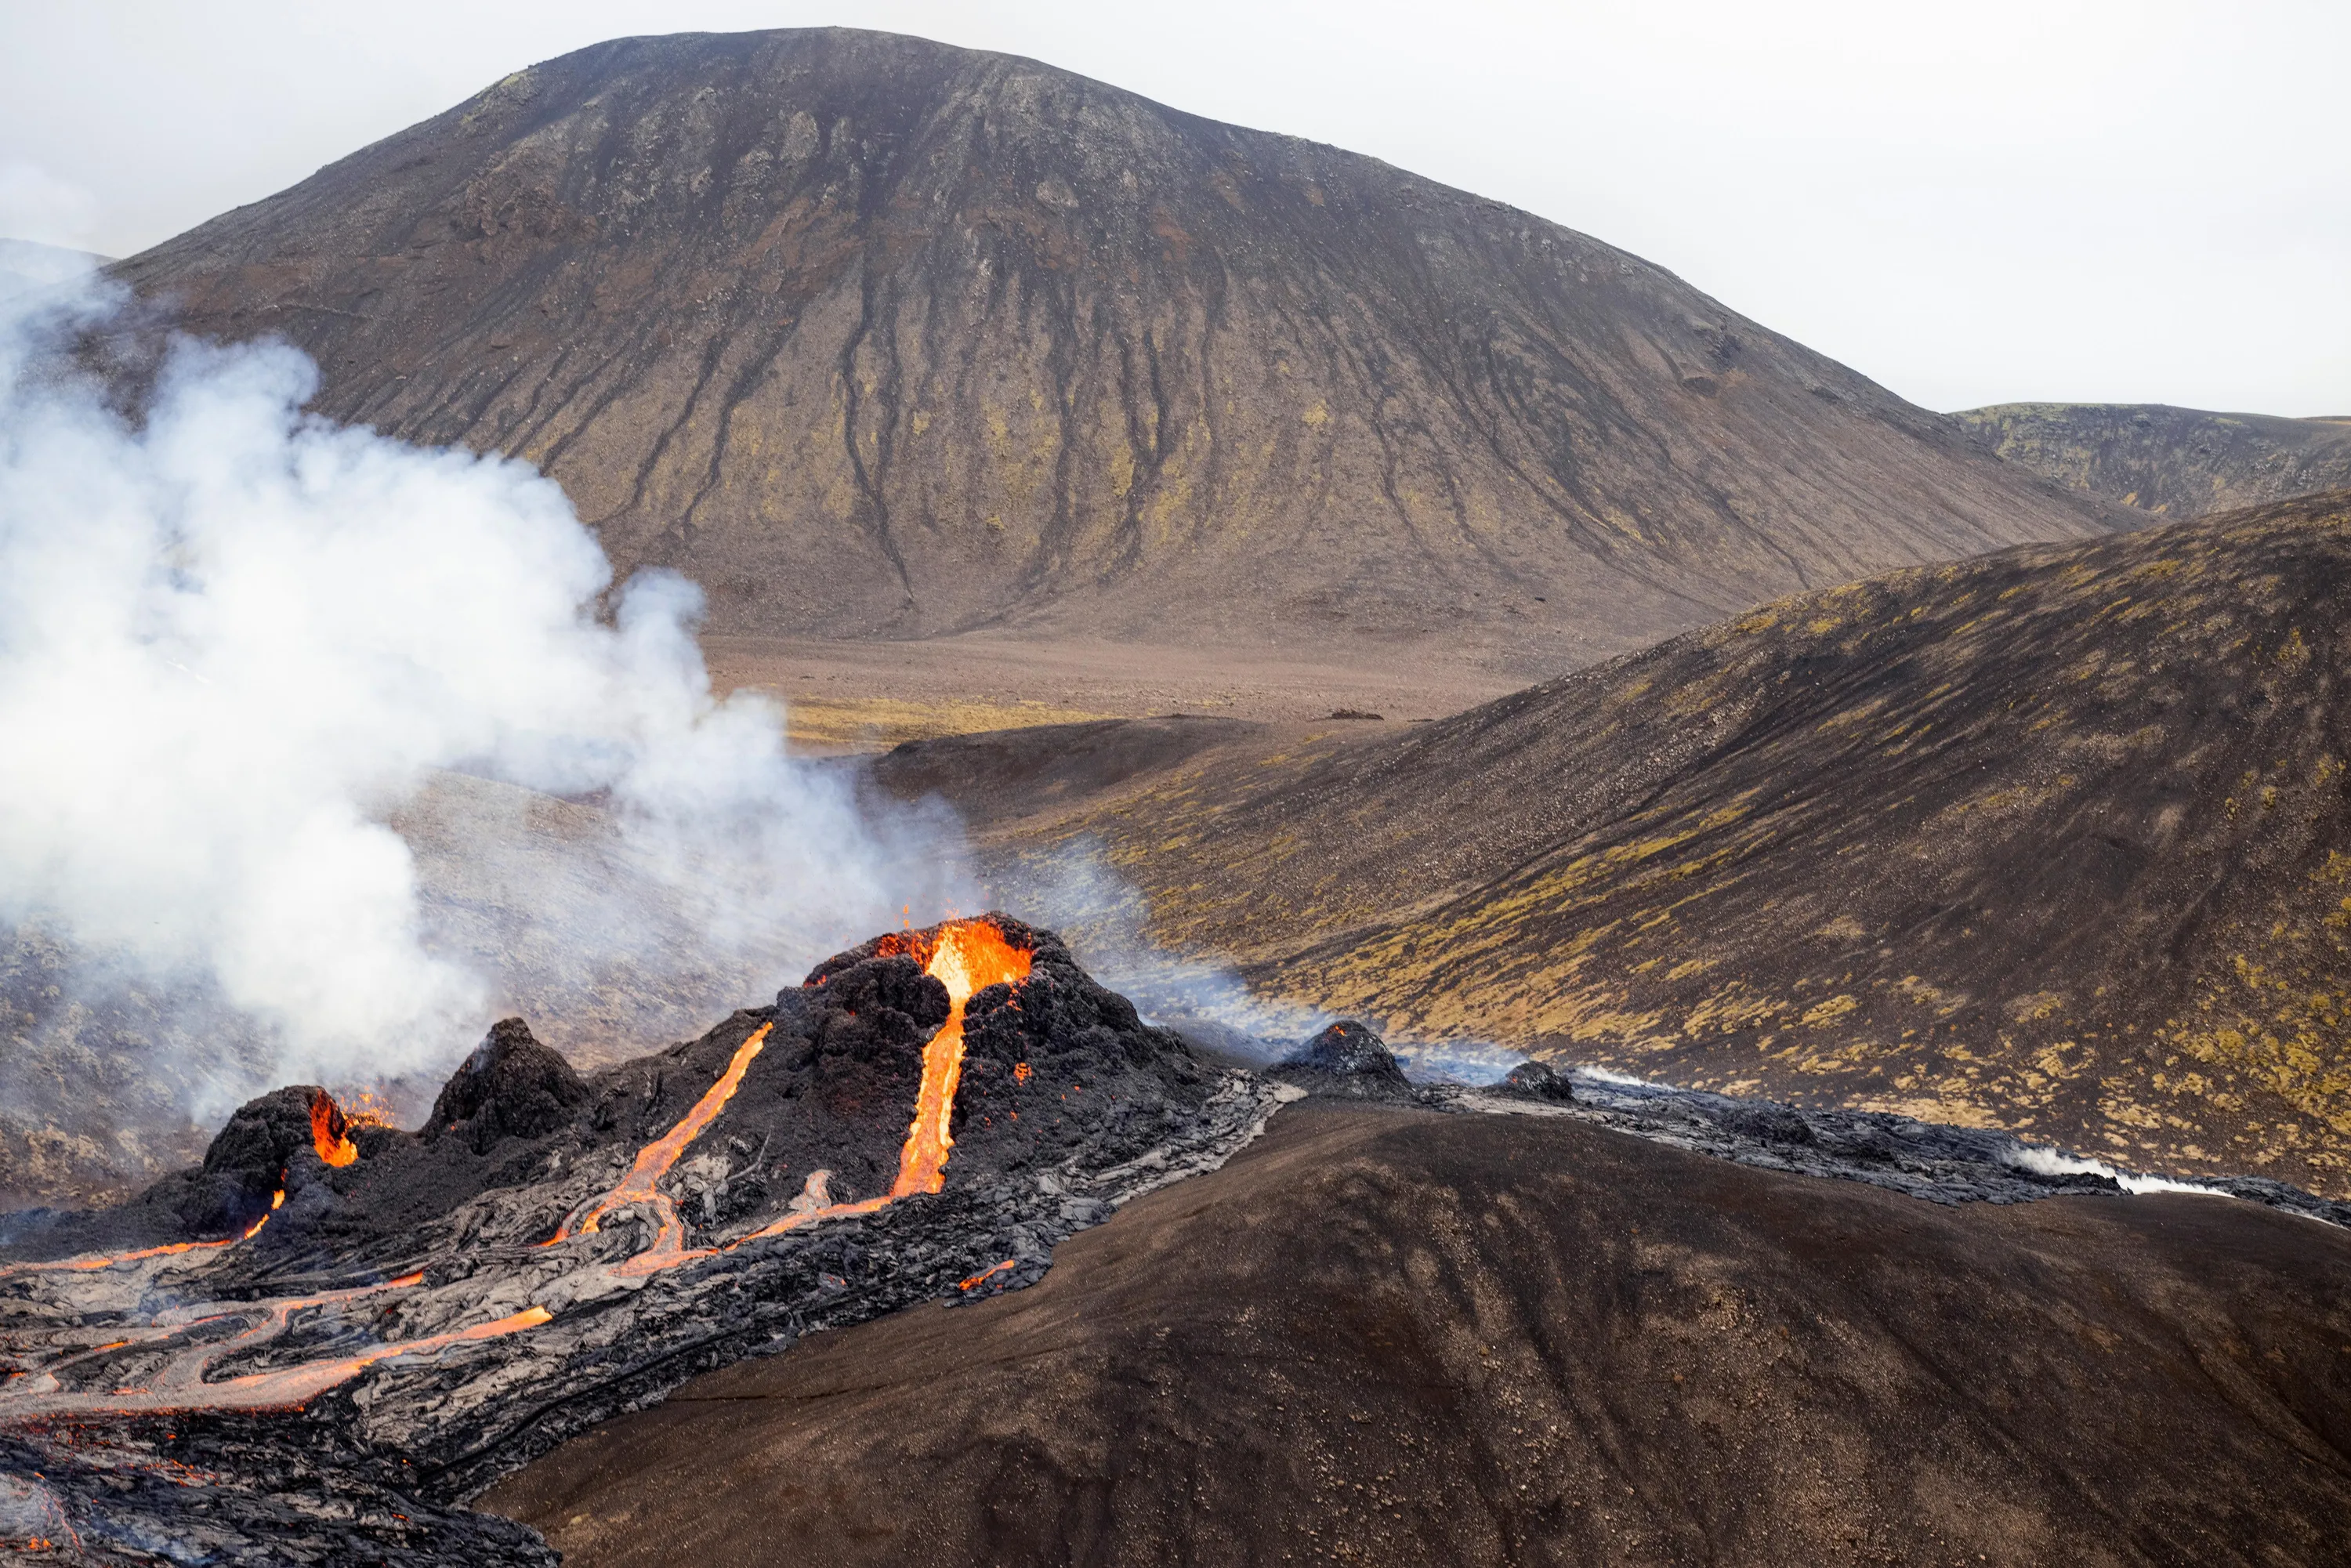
x: 875, y: 337
x: 332, y: 1330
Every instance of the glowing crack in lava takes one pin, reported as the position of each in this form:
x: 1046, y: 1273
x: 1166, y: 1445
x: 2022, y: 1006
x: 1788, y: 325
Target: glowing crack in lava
x: 176, y: 1347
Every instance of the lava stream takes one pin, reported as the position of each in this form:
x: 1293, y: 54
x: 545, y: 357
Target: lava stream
x: 642, y: 1183
x: 93, y: 1262
x: 970, y: 956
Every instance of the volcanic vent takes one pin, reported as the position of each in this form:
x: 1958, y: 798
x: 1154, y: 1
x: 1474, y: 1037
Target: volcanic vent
x: 334, y: 1332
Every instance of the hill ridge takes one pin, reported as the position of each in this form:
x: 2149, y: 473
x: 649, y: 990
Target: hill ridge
x: 875, y: 337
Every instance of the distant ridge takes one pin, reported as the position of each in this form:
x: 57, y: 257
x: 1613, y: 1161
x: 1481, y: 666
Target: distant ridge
x: 875, y: 337
x: 2178, y: 463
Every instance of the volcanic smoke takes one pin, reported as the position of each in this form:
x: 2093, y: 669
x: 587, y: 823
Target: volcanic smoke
x: 237, y: 641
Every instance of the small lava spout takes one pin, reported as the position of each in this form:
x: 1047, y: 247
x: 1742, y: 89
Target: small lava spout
x: 330, y: 1131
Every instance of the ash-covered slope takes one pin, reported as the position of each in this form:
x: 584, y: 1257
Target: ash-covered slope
x: 2058, y: 839
x: 2179, y: 462
x: 1384, y: 1336
x: 871, y: 335
x: 317, y: 1343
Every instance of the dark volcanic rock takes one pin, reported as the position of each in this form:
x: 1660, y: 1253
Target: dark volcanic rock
x: 873, y: 335
x: 1346, y: 1060
x: 1538, y: 1080
x: 1381, y: 1336
x: 511, y: 1087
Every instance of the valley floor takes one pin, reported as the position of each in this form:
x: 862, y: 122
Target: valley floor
x: 868, y: 696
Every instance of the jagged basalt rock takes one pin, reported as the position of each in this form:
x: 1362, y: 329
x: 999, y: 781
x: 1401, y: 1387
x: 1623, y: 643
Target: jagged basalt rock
x: 511, y: 1087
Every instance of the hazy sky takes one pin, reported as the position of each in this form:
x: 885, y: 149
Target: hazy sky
x: 2111, y: 200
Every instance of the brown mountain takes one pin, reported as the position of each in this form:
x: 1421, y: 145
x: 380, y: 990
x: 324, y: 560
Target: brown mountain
x: 875, y: 337
x: 1388, y: 1336
x: 2058, y: 839
x: 2178, y: 462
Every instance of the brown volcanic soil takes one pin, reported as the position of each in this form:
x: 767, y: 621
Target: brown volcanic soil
x: 2058, y: 839
x: 869, y: 696
x: 872, y: 336
x: 2179, y: 462
x: 1394, y: 1336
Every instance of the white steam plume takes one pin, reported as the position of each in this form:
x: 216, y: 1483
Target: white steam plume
x: 234, y: 640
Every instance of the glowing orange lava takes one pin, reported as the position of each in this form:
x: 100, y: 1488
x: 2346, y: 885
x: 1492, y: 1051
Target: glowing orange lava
x: 329, y: 1133
x: 969, y: 957
x: 966, y: 957
x: 985, y: 1274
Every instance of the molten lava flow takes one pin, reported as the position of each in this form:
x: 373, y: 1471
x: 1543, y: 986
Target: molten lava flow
x: 181, y: 1385
x: 329, y: 1133
x: 364, y: 1108
x: 969, y: 957
x: 642, y: 1183
x: 965, y: 957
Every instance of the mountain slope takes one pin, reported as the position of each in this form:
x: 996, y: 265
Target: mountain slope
x: 874, y: 336
x: 2178, y: 462
x: 2058, y: 839
x: 1383, y: 1336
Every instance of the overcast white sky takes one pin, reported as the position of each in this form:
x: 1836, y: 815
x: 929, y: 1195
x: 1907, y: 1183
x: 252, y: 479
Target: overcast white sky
x: 2109, y: 200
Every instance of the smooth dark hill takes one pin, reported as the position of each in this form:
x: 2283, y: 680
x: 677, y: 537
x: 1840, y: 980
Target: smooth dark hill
x: 1385, y: 1335
x: 2057, y: 839
x: 872, y: 336
x: 2179, y: 463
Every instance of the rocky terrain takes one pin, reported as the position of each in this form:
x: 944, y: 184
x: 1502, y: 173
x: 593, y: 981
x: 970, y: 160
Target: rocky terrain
x: 314, y: 1346
x: 875, y: 337
x: 2178, y: 463
x: 1383, y: 1334
x: 2056, y: 840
